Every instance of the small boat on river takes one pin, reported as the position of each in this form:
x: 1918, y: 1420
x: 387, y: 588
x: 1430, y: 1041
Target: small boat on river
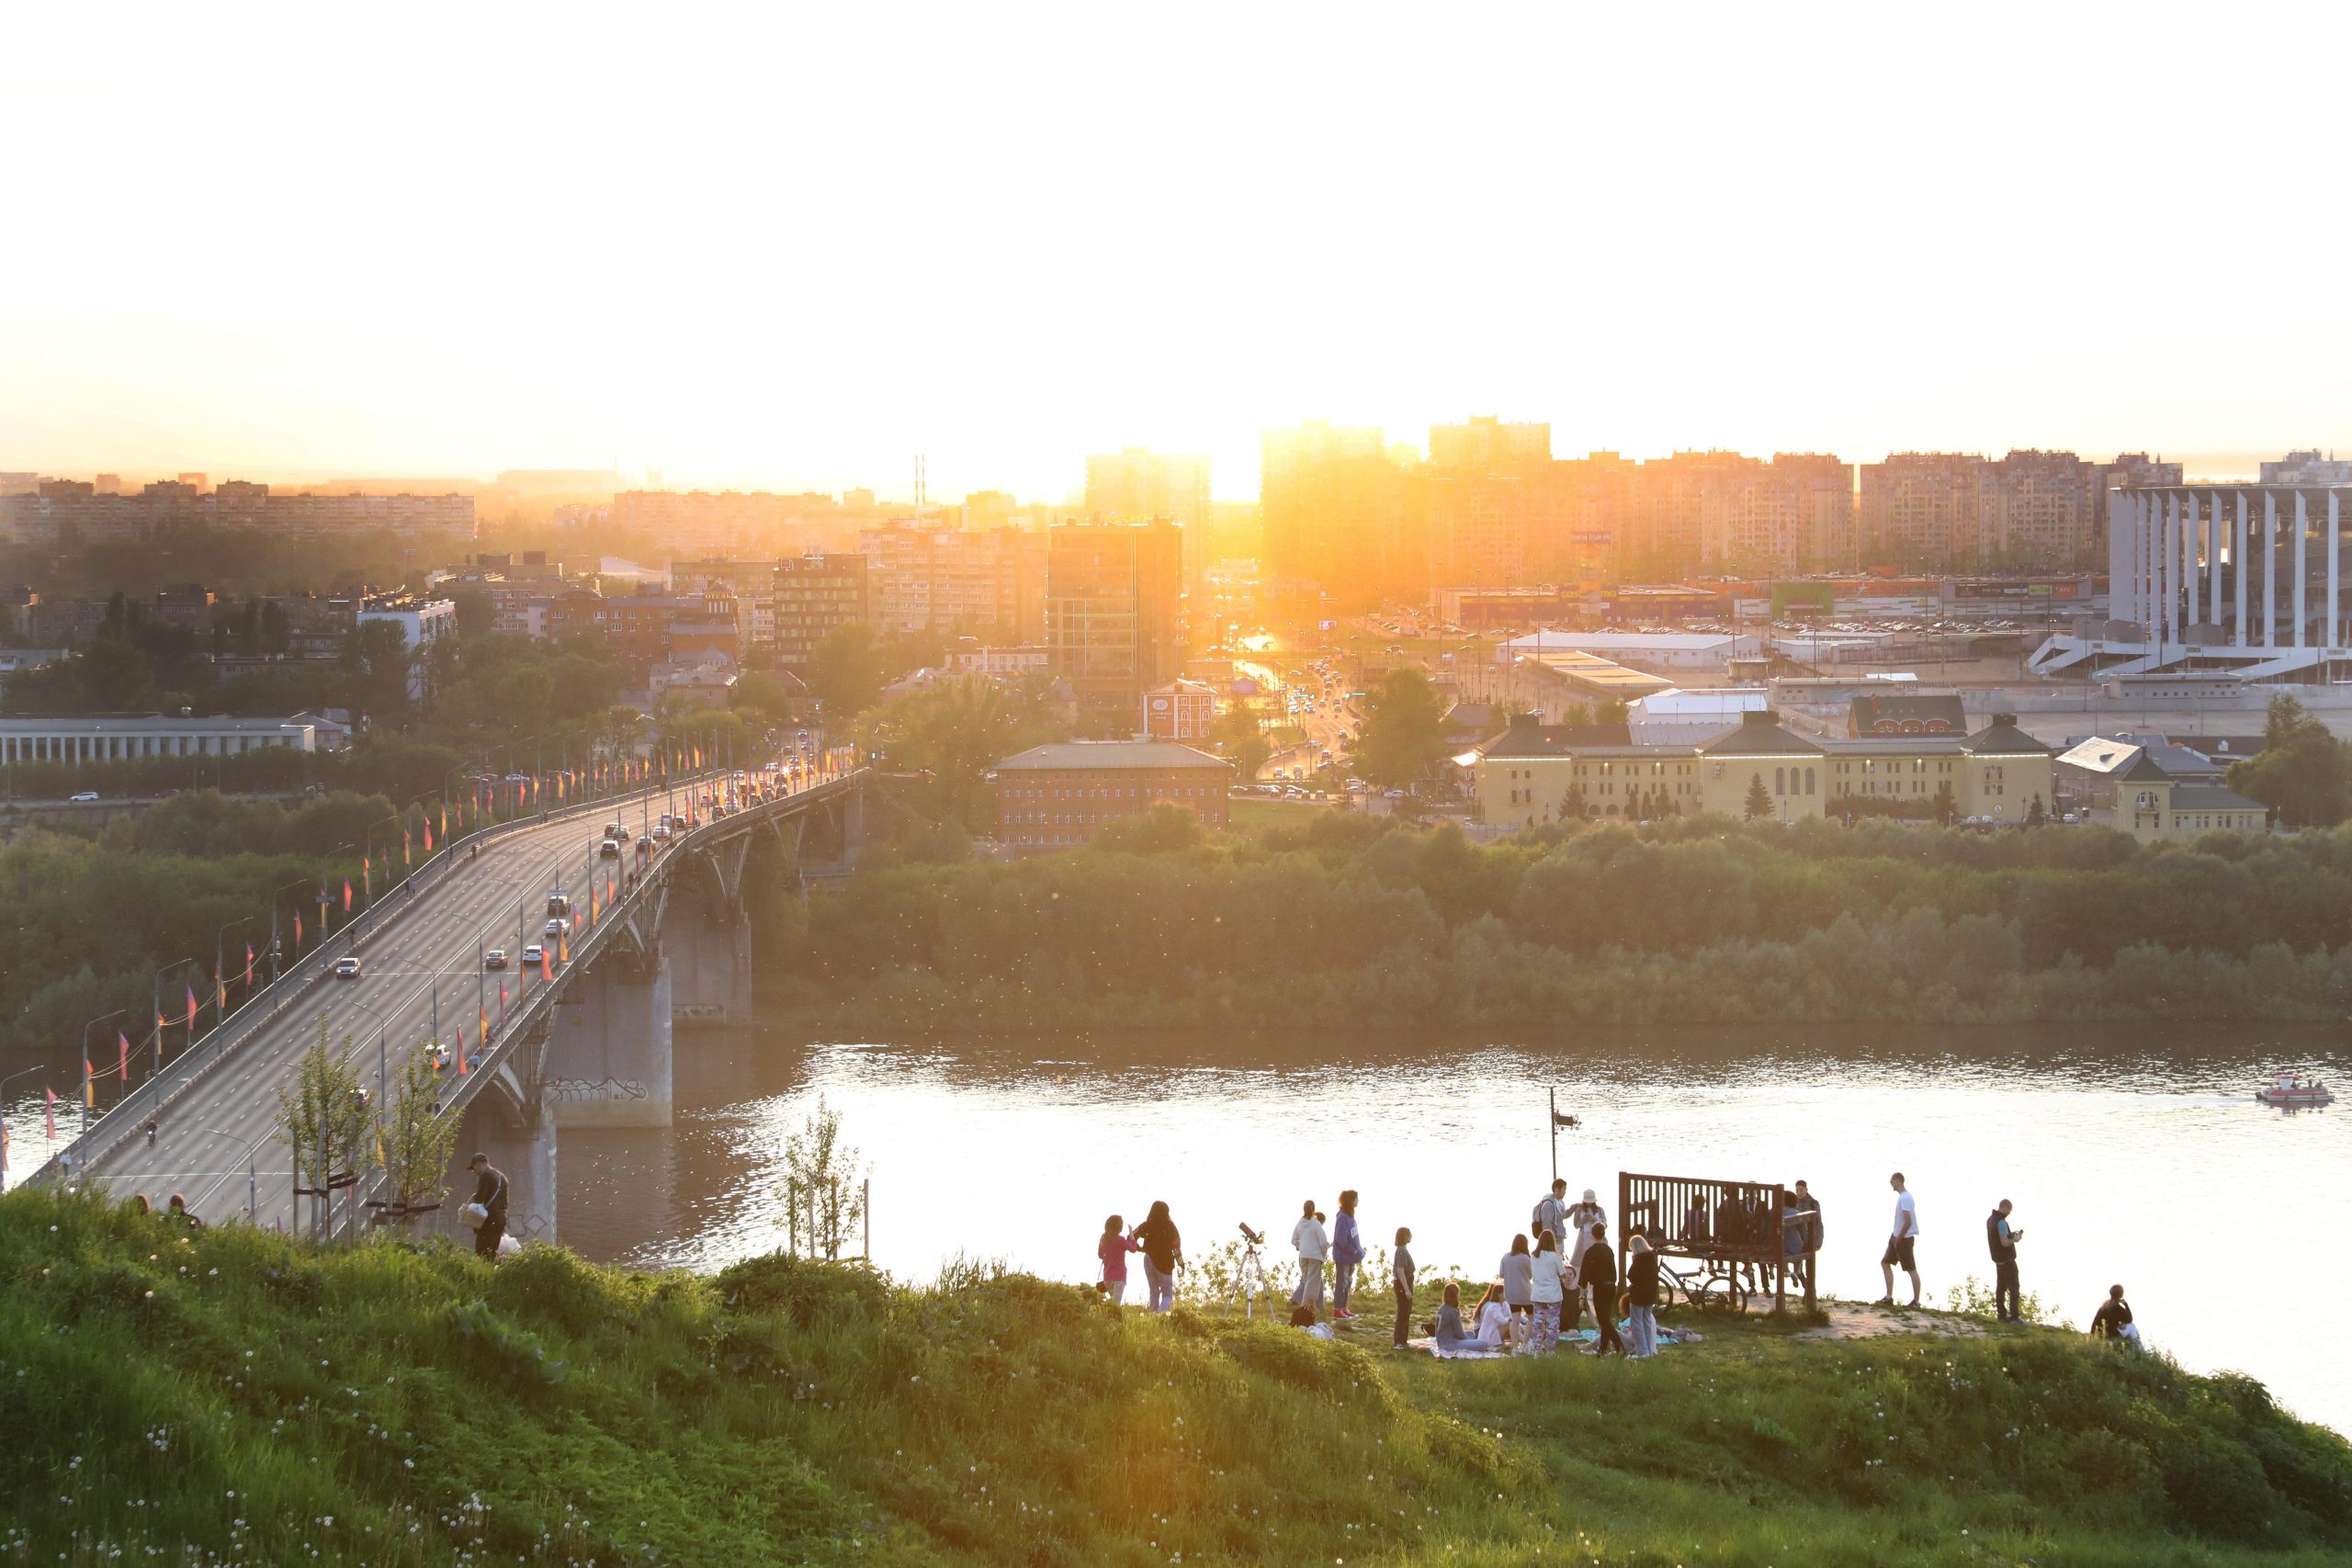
x: 2293, y: 1089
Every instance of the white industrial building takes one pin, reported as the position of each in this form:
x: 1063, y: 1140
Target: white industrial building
x: 2236, y: 581
x: 1686, y: 718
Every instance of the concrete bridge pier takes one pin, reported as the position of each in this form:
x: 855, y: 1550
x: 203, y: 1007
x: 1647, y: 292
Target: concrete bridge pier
x: 608, y: 1062
x: 523, y: 1144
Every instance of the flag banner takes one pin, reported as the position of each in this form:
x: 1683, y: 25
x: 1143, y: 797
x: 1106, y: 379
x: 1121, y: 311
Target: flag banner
x: 501, y: 1004
x: 347, y: 895
x: 482, y: 1018
x: 407, y: 849
x: 428, y: 835
x: 89, y: 1085
x: 220, y: 993
x: 191, y: 1007
x: 564, y: 943
x: 123, y: 1069
x: 547, y: 964
x: 461, y: 1050
x: 298, y: 932
x: 445, y: 821
x: 50, y: 1112
x: 249, y: 964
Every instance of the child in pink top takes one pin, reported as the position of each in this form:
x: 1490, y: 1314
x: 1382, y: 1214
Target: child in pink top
x: 1113, y: 1249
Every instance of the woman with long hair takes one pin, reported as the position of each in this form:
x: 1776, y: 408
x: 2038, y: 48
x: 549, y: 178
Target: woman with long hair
x: 1163, y: 1253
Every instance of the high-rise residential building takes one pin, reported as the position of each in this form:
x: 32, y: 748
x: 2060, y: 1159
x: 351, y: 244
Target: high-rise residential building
x: 813, y: 595
x: 986, y: 509
x: 2296, y: 468
x: 1135, y: 485
x: 1493, y: 501
x: 74, y: 509
x: 1339, y: 514
x: 1960, y: 512
x: 921, y: 577
x: 1112, y: 622
x: 1795, y: 513
x: 106, y: 484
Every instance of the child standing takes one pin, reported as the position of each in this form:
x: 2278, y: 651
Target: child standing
x: 1549, y: 1284
x: 1112, y: 1250
x: 1401, y: 1283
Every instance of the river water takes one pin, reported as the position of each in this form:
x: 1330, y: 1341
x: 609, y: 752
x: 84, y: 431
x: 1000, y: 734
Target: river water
x: 2137, y: 1156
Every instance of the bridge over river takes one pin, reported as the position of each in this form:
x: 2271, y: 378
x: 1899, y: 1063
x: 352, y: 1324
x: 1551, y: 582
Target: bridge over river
x: 588, y: 1044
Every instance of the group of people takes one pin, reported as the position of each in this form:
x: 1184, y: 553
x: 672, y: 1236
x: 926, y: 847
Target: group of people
x: 1566, y: 1259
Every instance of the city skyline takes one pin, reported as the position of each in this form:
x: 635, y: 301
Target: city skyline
x: 457, y: 267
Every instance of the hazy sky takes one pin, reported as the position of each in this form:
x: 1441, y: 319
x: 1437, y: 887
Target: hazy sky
x: 792, y: 246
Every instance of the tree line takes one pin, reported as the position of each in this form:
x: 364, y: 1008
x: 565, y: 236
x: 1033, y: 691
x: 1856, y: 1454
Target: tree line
x: 1354, y: 922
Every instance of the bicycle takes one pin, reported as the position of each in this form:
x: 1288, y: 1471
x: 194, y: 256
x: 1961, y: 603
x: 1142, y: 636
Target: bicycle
x: 1250, y: 1274
x: 1711, y: 1285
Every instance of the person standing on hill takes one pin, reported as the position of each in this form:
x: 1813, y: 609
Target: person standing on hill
x: 1902, y: 1242
x: 1582, y: 1217
x: 1313, y: 1250
x: 1551, y: 1211
x: 1549, y: 1288
x: 1641, y: 1300
x: 1518, y: 1274
x: 1347, y: 1254
x: 2002, y: 1242
x: 490, y: 1191
x: 1597, y: 1272
x: 1401, y: 1282
x: 1113, y: 1249
x: 1164, y: 1249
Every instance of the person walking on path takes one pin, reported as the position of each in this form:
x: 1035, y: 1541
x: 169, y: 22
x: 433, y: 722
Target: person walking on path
x: 1164, y: 1249
x: 1549, y: 1288
x: 1641, y: 1300
x: 490, y: 1191
x: 2002, y: 1242
x: 1596, y: 1272
x: 1113, y: 1249
x: 1551, y: 1211
x: 1313, y: 1250
x: 1347, y: 1254
x: 1518, y: 1275
x: 1902, y: 1242
x: 1401, y: 1283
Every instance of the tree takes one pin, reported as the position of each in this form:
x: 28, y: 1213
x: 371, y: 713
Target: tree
x: 476, y: 611
x: 1164, y: 829
x: 1572, y: 806
x: 845, y: 670
x: 377, y: 658
x: 2035, y: 816
x: 1947, y: 806
x: 2300, y: 773
x: 1240, y: 742
x: 1760, y: 800
x: 1403, y: 740
x: 955, y: 731
x: 324, y: 1118
x: 416, y: 1144
x: 824, y: 1186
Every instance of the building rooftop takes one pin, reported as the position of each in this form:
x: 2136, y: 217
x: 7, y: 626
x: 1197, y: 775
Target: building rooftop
x: 1759, y: 734
x: 2002, y: 738
x: 1908, y: 713
x: 2212, y: 797
x: 1096, y: 754
x: 1527, y: 738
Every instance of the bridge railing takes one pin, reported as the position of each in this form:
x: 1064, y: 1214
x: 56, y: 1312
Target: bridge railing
x: 267, y: 1003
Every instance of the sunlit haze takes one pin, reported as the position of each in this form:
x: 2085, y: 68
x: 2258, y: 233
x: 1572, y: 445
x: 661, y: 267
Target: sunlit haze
x: 792, y: 250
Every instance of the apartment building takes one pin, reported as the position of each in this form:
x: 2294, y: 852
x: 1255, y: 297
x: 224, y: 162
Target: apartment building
x: 813, y: 595
x: 1112, y: 614
x: 1054, y: 796
x: 1338, y: 515
x: 1135, y: 485
x: 921, y: 577
x: 65, y: 510
x: 1961, y: 512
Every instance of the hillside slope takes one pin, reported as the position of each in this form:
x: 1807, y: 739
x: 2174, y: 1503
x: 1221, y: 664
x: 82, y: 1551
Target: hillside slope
x: 230, y: 1396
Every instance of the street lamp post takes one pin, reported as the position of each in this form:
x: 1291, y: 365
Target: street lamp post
x: 88, y: 1075
x: 220, y: 965
x: 5, y: 1082
x: 277, y: 950
x: 155, y: 989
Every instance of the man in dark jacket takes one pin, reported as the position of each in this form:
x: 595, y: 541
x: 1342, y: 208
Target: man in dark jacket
x: 490, y: 1191
x: 2002, y: 1242
x: 1598, y: 1270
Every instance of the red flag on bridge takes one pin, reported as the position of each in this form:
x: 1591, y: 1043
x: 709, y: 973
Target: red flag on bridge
x: 220, y: 993
x: 428, y: 835
x: 297, y: 930
x: 547, y: 964
x: 191, y: 1007
x: 122, y: 1069
x: 407, y: 849
x: 89, y: 1084
x: 347, y: 895
x: 49, y: 1111
x: 501, y: 1004
x: 249, y: 964
x: 461, y: 1050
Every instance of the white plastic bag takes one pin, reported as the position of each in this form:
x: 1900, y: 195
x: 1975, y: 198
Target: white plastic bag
x: 507, y: 1244
x: 473, y: 1216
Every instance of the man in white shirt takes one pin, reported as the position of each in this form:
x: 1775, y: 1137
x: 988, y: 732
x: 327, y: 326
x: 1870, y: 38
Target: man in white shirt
x: 1313, y: 1247
x: 1900, y: 1243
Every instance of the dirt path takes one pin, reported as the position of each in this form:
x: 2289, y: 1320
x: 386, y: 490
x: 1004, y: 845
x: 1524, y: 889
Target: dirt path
x: 1850, y: 1321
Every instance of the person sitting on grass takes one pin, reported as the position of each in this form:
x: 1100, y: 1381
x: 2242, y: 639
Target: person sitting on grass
x: 176, y: 1210
x: 2113, y: 1319
x: 1491, y: 1322
x: 1450, y: 1335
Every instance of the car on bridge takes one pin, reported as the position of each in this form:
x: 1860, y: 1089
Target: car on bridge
x: 609, y: 848
x: 85, y: 798
x: 344, y: 969
x: 532, y: 954
x: 558, y: 927
x: 494, y: 959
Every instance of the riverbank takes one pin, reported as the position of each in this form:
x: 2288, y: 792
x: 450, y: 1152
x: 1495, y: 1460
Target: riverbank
x: 1351, y: 922
x: 233, y: 1396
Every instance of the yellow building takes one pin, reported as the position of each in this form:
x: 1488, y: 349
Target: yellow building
x: 2125, y: 788
x: 1534, y: 774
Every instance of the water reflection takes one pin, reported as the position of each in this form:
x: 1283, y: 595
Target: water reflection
x: 2132, y: 1154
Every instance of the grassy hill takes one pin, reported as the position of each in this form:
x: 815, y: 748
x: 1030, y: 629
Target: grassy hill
x: 230, y: 1396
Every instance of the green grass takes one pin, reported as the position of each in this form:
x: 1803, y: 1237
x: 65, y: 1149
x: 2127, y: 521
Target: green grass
x: 235, y: 1397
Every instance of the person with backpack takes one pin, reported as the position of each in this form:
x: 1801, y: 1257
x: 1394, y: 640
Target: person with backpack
x: 1551, y: 1211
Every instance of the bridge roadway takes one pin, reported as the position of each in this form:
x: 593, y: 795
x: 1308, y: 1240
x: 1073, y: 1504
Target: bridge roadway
x: 216, y: 1141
